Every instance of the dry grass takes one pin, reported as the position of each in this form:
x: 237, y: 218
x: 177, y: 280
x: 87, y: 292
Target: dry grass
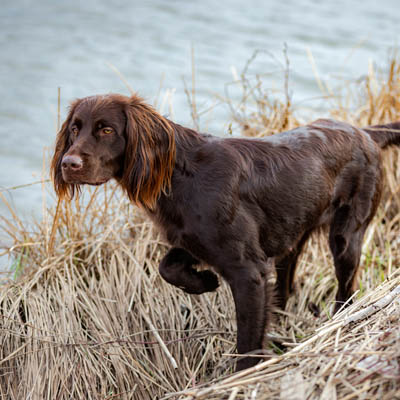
x: 88, y: 317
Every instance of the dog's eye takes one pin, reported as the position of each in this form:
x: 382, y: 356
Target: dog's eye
x: 75, y: 130
x: 108, y: 130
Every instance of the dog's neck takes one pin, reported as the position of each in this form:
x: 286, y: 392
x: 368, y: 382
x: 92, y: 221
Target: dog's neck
x: 167, y: 211
x: 187, y: 142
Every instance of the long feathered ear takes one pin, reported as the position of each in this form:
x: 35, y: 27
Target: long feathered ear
x: 61, y: 147
x: 149, y: 154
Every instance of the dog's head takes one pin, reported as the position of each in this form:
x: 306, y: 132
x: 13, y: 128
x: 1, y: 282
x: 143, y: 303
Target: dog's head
x: 114, y: 136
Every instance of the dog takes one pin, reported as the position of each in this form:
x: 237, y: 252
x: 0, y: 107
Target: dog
x: 239, y: 205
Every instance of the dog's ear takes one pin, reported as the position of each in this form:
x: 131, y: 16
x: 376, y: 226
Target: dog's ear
x: 62, y: 145
x: 149, y: 154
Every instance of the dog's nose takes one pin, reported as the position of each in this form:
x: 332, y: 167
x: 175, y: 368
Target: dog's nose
x: 72, y: 162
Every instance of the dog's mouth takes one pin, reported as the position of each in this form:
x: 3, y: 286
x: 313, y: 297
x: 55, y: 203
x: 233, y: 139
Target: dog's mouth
x: 84, y: 181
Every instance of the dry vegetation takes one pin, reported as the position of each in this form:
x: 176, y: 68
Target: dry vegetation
x: 88, y: 317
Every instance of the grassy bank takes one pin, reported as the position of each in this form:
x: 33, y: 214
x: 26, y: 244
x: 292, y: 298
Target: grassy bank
x: 88, y: 316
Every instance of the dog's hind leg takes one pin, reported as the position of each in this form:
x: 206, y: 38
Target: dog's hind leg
x: 177, y: 269
x: 346, y: 246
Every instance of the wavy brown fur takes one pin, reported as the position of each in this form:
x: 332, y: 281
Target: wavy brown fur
x: 149, y: 154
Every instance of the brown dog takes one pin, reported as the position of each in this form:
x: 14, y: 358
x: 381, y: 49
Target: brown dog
x: 235, y: 204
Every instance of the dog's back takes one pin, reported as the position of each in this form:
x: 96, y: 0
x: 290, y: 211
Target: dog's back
x: 286, y: 184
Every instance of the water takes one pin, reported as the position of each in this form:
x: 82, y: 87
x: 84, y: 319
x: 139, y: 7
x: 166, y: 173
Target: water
x: 48, y: 44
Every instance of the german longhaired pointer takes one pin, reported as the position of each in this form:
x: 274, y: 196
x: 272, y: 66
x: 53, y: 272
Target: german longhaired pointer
x: 240, y: 205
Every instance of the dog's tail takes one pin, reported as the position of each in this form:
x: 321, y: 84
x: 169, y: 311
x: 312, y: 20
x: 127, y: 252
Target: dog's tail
x: 385, y: 135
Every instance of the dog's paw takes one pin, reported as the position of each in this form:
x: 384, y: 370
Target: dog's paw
x: 210, y: 280
x: 199, y: 282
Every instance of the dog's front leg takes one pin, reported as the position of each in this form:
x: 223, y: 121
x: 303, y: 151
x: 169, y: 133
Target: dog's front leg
x: 177, y: 269
x: 252, y: 296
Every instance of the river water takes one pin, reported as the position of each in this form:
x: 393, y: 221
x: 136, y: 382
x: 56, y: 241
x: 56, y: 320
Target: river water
x: 76, y: 45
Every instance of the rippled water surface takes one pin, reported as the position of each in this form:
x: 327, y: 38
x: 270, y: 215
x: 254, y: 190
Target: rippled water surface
x: 48, y: 44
